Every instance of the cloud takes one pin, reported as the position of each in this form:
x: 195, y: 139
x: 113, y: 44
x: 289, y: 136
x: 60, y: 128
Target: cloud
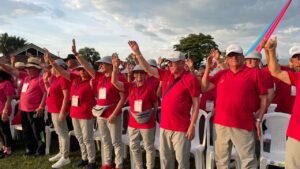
x: 290, y: 30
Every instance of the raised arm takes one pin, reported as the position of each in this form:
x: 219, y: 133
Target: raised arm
x: 60, y: 70
x: 9, y: 69
x: 116, y: 62
x: 205, y: 84
x: 138, y: 55
x: 83, y: 62
x: 274, y: 68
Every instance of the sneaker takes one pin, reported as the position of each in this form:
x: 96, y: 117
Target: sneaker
x: 55, y: 158
x: 82, y: 163
x: 91, y: 166
x: 61, y: 162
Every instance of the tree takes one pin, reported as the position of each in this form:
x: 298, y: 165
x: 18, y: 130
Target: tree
x: 8, y: 44
x: 90, y: 54
x: 197, y: 47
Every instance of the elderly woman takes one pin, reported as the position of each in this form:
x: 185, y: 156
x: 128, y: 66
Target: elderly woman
x: 143, y: 103
x: 82, y: 101
x: 57, y: 102
x: 6, y: 94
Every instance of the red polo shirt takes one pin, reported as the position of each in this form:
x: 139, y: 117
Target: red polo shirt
x: 6, y: 90
x: 112, y: 95
x: 152, y: 82
x: 148, y: 97
x: 293, y: 130
x: 55, y: 96
x: 237, y: 95
x: 283, y: 97
x: 31, y: 98
x: 176, y: 104
x: 86, y: 98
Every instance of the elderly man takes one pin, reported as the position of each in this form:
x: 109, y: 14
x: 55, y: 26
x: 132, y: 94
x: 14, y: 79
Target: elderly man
x: 253, y: 60
x: 238, y: 89
x: 32, y: 104
x: 180, y: 91
x: 290, y: 78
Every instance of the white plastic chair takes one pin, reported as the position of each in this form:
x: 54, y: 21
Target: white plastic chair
x: 272, y: 108
x: 125, y: 139
x: 277, y: 124
x: 198, y: 147
x: 14, y: 104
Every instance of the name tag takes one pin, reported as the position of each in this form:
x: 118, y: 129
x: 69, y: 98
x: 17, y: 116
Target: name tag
x: 102, y: 93
x: 75, y: 101
x: 25, y: 87
x: 138, y: 104
x: 293, y: 91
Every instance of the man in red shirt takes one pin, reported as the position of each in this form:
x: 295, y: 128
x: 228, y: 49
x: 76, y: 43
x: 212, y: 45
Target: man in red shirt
x: 180, y: 91
x: 290, y: 78
x: 237, y: 91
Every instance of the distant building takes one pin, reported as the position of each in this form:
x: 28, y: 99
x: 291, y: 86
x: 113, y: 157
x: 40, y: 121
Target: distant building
x: 30, y: 50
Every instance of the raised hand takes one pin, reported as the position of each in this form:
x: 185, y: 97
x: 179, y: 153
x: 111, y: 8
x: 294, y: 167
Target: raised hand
x: 189, y: 63
x: 271, y: 44
x: 159, y: 60
x: 47, y: 57
x: 74, y: 47
x: 115, y: 61
x: 134, y: 47
x: 129, y: 67
x: 12, y: 59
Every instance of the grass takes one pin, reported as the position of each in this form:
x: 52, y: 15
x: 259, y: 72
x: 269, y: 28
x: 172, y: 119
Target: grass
x: 19, y: 161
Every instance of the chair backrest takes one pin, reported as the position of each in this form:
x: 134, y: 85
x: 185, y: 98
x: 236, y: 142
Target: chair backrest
x: 14, y: 104
x: 272, y: 108
x: 277, y: 124
x: 203, y: 139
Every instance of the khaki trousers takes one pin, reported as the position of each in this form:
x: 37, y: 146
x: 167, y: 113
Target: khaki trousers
x: 292, y: 154
x: 111, y: 137
x: 244, y: 142
x: 62, y: 131
x: 83, y: 129
x: 135, y: 138
x: 173, y: 142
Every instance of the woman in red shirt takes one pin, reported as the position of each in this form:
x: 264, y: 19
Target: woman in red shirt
x: 82, y: 102
x: 6, y: 94
x: 143, y: 103
x: 57, y: 101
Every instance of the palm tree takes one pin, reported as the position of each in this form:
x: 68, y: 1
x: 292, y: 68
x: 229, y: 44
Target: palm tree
x: 9, y: 44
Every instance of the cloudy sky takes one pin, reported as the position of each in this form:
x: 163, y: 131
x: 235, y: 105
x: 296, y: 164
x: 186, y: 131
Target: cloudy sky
x: 156, y: 25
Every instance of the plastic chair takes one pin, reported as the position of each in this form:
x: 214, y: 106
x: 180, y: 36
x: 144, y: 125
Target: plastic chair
x: 198, y: 146
x: 277, y: 124
x: 14, y: 104
x: 48, y: 131
x: 272, y: 108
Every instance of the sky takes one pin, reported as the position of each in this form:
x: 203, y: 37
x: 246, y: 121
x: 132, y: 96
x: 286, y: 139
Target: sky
x: 156, y: 25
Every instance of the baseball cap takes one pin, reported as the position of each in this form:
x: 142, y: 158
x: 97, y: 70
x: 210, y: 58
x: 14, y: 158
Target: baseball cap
x: 70, y: 56
x: 254, y: 55
x: 105, y: 59
x: 152, y: 62
x: 234, y: 48
x: 176, y: 56
x: 295, y: 50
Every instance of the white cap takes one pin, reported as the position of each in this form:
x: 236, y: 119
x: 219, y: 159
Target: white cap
x: 152, y: 62
x: 176, y: 56
x: 105, y: 59
x: 254, y: 55
x: 138, y: 68
x: 295, y: 50
x: 234, y: 48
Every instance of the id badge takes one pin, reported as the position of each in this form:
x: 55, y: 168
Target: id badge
x: 138, y: 104
x: 75, y: 101
x: 102, y: 93
x: 293, y: 91
x: 25, y: 87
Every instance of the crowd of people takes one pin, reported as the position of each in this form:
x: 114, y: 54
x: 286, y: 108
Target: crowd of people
x: 77, y: 96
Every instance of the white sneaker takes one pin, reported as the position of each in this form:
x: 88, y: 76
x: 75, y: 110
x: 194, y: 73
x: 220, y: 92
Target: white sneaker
x: 55, y: 158
x: 61, y: 162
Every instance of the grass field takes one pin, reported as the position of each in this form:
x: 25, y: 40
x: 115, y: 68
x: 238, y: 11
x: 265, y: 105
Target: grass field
x: 19, y: 161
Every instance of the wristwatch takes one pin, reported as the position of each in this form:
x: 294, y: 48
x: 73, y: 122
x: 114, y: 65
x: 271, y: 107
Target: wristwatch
x: 258, y: 120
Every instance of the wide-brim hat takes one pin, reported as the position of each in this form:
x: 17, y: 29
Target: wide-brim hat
x: 34, y: 62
